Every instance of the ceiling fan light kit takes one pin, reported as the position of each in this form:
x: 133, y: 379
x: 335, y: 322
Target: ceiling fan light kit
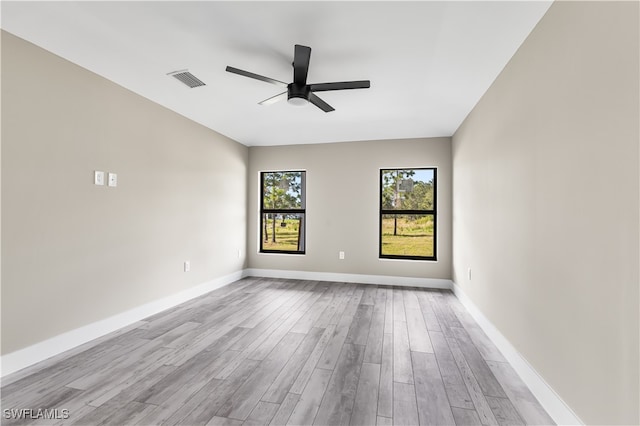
x: 297, y: 100
x: 298, y: 92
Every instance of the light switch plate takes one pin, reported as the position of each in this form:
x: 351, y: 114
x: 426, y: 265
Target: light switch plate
x: 98, y: 177
x: 113, y: 179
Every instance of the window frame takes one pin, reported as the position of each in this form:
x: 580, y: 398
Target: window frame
x: 433, y: 212
x: 301, y: 211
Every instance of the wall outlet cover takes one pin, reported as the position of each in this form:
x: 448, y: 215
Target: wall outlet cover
x: 113, y: 179
x: 98, y: 177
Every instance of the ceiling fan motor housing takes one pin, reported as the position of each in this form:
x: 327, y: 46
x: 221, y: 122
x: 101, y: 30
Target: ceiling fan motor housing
x: 298, y: 94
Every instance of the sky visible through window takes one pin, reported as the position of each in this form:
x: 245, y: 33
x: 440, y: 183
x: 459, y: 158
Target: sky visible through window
x: 423, y: 176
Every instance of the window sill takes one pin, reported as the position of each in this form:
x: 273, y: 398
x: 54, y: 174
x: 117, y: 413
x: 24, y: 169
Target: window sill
x: 408, y: 259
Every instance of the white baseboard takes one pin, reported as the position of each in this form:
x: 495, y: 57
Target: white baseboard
x: 33, y: 354
x: 23, y: 358
x: 352, y: 278
x: 548, y: 398
x: 41, y: 351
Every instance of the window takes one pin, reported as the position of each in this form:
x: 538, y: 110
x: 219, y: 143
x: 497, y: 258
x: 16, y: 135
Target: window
x: 282, y: 211
x: 408, y: 213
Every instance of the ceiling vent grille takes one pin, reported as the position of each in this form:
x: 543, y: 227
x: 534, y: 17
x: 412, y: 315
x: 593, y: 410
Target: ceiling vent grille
x: 187, y: 78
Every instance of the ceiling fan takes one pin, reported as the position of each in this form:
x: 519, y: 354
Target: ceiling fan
x: 299, y: 92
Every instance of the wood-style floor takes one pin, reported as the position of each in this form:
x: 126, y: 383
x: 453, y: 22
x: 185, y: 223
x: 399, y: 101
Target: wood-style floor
x: 270, y: 351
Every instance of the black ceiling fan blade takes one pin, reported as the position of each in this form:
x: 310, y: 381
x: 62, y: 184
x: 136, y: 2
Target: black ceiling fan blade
x: 341, y: 85
x: 272, y: 100
x: 301, y: 58
x: 256, y: 76
x: 320, y: 103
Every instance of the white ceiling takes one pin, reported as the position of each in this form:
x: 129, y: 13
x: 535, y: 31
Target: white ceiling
x: 429, y: 62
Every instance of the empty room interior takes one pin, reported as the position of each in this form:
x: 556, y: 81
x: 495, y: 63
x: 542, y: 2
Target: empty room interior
x: 329, y: 213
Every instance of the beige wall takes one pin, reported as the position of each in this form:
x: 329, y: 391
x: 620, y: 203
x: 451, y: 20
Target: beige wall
x: 343, y: 204
x: 546, y: 210
x: 74, y: 253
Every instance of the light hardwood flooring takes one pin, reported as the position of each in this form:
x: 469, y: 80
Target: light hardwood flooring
x: 271, y: 351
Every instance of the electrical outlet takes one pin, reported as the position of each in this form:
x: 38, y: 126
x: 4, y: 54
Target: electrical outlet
x: 239, y: 253
x: 187, y: 266
x: 469, y: 273
x: 341, y: 255
x: 113, y: 179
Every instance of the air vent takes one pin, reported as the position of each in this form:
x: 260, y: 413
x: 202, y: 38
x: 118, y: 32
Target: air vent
x: 187, y: 78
